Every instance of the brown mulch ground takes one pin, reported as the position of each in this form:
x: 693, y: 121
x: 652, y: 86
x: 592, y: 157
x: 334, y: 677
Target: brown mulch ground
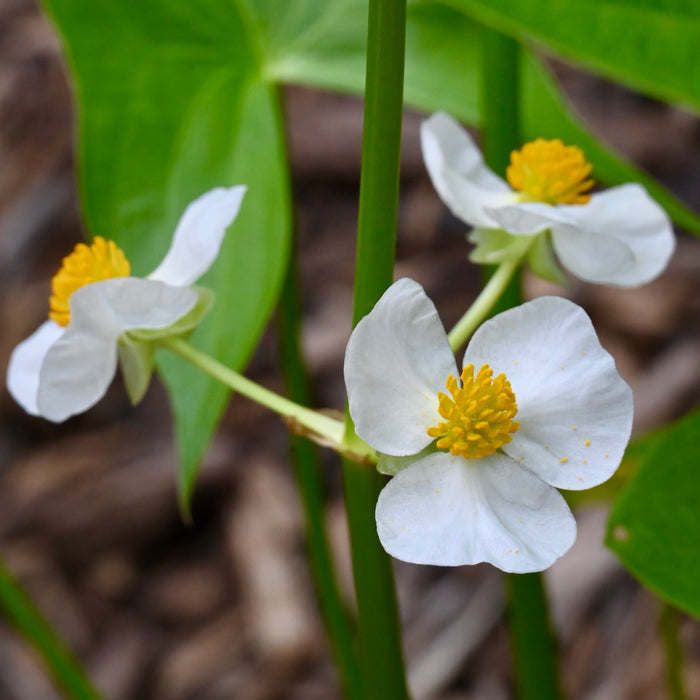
x: 224, y: 609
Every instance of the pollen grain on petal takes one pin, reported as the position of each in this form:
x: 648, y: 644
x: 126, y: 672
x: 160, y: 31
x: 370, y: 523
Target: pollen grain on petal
x: 548, y: 171
x: 87, y: 263
x: 478, y: 414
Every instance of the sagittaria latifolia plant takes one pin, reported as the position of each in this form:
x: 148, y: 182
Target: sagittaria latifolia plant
x: 475, y: 453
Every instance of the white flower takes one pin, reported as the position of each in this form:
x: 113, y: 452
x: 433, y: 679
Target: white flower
x: 560, y: 417
x: 620, y: 237
x: 100, y: 315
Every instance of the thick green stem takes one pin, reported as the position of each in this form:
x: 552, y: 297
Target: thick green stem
x: 379, y: 629
x: 378, y: 621
x: 500, y: 98
x: 309, y: 480
x: 20, y: 611
x: 500, y: 109
x: 379, y: 184
x: 532, y: 643
x: 669, y: 626
x: 531, y: 640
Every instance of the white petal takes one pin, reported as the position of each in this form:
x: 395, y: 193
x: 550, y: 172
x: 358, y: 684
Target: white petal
x: 590, y: 256
x: 450, y: 511
x: 25, y: 363
x: 542, y: 261
x: 397, y: 360
x: 80, y: 365
x: 199, y: 235
x: 528, y: 218
x: 622, y: 216
x: 458, y: 172
x: 574, y: 409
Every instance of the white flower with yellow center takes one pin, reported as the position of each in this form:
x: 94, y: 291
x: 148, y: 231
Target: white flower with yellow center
x: 100, y: 316
x: 620, y: 237
x: 539, y: 405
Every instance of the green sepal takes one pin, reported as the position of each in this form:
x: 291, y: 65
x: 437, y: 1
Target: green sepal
x: 391, y: 465
x: 137, y: 348
x: 494, y: 246
x: 184, y: 325
x: 136, y: 362
x: 543, y: 262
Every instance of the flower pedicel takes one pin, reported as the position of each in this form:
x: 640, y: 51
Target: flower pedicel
x: 99, y: 315
x: 477, y: 461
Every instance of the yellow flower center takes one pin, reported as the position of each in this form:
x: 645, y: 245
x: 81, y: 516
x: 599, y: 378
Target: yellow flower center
x: 478, y: 416
x: 100, y: 261
x: 549, y: 171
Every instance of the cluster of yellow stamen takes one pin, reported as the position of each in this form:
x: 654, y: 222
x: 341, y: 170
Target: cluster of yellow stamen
x: 477, y: 415
x: 549, y: 171
x: 100, y: 261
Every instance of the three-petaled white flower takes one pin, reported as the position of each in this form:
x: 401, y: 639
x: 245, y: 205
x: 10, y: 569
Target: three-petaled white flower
x: 557, y: 414
x: 100, y: 315
x: 620, y: 237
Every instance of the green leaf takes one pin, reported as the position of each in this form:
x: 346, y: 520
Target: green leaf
x: 655, y: 524
x: 650, y: 45
x: 172, y: 102
x: 247, y: 285
x: 66, y: 670
x: 442, y: 72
